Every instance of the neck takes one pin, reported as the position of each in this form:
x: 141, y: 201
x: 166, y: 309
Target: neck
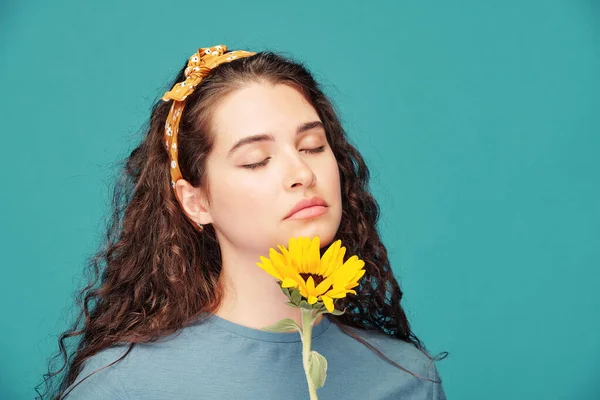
x: 252, y: 297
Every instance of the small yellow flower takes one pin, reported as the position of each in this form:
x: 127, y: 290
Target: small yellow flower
x: 317, y: 278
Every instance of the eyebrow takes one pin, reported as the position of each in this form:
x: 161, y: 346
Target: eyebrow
x: 261, y: 137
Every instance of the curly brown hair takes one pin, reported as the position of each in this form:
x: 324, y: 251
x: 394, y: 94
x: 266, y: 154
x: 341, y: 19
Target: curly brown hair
x: 156, y: 273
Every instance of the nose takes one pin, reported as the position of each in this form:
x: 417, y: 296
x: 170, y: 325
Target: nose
x: 299, y: 173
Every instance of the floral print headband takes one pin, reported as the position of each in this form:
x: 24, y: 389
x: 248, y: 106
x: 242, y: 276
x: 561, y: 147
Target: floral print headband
x: 200, y: 64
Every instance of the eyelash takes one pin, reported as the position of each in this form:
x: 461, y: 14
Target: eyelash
x: 263, y: 163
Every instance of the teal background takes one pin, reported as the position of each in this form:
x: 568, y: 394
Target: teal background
x: 480, y: 122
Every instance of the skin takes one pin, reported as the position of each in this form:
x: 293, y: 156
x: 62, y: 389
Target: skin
x: 247, y: 207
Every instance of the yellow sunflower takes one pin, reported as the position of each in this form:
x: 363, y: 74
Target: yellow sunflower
x: 317, y: 278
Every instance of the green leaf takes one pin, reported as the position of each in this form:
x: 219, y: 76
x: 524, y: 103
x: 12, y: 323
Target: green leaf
x: 286, y: 291
x: 317, y: 368
x: 296, y: 296
x: 304, y: 304
x: 337, y: 312
x: 289, y: 303
x: 284, y: 325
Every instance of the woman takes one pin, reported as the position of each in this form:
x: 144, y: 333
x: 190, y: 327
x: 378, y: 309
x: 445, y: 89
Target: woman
x: 240, y: 142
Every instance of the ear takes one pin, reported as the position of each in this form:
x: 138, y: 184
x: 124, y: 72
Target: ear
x: 194, y: 202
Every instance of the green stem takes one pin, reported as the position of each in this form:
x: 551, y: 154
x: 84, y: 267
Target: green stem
x: 306, y: 335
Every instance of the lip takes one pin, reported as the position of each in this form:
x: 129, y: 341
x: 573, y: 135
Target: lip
x: 305, y: 203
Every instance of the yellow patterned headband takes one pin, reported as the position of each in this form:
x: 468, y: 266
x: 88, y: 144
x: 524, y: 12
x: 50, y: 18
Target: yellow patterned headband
x: 199, y: 66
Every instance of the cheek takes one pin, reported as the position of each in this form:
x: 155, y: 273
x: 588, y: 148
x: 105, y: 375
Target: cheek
x: 332, y: 173
x: 240, y: 196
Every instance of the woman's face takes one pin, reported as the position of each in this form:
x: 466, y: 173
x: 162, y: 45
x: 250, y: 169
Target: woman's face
x: 270, y: 152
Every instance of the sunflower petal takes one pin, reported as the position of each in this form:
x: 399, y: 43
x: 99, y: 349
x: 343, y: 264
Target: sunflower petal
x: 281, y: 262
x: 337, y: 293
x: 351, y: 285
x: 358, y: 275
x: 312, y: 299
x: 284, y: 251
x: 336, y: 262
x: 310, y: 286
x: 314, y: 256
x: 350, y: 268
x: 293, y: 252
x: 340, y: 256
x: 289, y: 282
x: 328, y: 301
x: 323, y: 286
x: 329, y: 256
x: 278, y: 259
x: 303, y: 291
x: 268, y: 267
x: 299, y: 256
x: 305, y: 255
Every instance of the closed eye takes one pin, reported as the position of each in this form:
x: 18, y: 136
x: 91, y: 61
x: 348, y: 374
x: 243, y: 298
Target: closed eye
x: 266, y: 160
x: 257, y: 165
x: 317, y: 150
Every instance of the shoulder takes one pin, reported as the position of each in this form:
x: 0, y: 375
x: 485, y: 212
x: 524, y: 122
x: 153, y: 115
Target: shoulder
x: 408, y: 356
x: 403, y: 353
x: 114, y: 371
x: 98, y: 379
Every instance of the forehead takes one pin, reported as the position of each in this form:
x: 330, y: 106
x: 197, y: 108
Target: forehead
x: 260, y: 108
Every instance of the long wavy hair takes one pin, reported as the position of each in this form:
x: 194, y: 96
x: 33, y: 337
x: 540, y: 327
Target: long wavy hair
x: 155, y: 273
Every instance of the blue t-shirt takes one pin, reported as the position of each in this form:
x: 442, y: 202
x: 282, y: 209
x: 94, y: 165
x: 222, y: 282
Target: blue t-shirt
x: 218, y: 359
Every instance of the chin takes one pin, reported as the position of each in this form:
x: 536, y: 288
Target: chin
x: 325, y: 233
